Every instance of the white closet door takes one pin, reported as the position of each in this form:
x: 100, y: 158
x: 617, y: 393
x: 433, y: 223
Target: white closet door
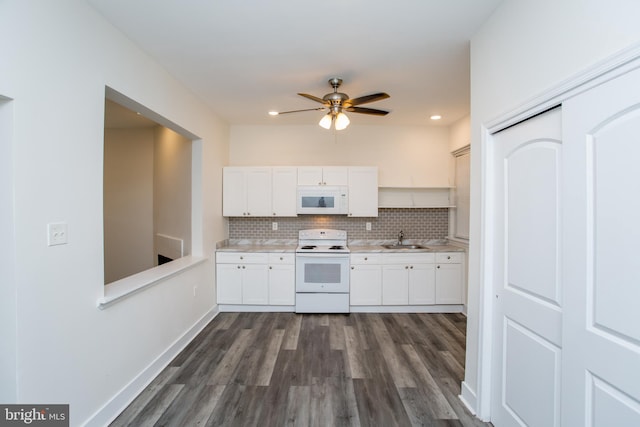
x: 601, y: 377
x: 527, y: 345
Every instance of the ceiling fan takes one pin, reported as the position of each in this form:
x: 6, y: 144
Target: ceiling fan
x: 337, y: 103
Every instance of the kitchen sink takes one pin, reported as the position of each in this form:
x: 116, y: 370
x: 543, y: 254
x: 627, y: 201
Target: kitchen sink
x: 404, y: 247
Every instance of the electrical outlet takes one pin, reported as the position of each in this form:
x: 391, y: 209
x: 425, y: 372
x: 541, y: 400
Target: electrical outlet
x: 56, y: 234
x: 274, y: 226
x: 368, y: 226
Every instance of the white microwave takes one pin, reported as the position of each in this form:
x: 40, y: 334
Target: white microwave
x: 323, y: 200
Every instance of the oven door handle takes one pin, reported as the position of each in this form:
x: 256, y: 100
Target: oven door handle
x: 311, y: 256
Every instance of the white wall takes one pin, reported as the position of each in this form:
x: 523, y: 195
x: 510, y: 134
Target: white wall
x: 406, y: 156
x: 57, y: 58
x: 8, y: 386
x: 524, y: 49
x: 172, y: 186
x: 460, y: 133
x: 128, y: 202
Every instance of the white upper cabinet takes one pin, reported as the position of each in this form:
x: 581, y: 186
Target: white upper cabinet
x: 246, y: 191
x: 363, y: 191
x: 284, y: 182
x: 319, y: 175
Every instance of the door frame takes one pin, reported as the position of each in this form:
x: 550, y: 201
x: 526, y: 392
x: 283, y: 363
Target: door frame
x: 603, y: 71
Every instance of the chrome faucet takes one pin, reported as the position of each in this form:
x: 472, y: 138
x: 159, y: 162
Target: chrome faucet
x: 400, y: 238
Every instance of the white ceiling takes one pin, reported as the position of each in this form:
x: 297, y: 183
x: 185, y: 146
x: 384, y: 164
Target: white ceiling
x: 247, y: 57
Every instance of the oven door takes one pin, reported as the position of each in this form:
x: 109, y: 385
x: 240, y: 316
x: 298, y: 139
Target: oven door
x: 328, y: 273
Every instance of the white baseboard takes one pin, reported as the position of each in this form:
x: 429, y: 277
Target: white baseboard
x: 124, y: 397
x: 468, y: 397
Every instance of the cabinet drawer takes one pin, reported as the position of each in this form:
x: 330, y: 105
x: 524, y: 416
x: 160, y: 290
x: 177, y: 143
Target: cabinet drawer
x: 242, y: 257
x: 415, y: 258
x: 366, y: 258
x: 449, y: 257
x: 281, y: 258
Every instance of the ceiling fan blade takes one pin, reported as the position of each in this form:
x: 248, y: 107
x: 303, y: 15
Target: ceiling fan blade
x: 297, y: 111
x: 371, y: 111
x: 366, y: 98
x: 313, y: 98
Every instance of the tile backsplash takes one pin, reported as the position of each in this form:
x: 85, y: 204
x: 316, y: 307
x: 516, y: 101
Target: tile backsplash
x: 427, y: 223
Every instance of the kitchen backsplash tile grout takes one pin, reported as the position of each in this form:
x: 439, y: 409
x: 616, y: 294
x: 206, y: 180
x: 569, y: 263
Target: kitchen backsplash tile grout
x: 425, y: 223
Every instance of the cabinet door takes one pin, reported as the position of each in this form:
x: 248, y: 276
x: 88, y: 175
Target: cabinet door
x: 363, y: 191
x: 422, y: 284
x: 234, y: 197
x: 282, y: 285
x: 255, y: 284
x: 258, y: 185
x: 395, y: 284
x: 229, y: 283
x: 310, y: 175
x: 284, y: 185
x: 449, y: 284
x: 335, y: 175
x: 366, y: 285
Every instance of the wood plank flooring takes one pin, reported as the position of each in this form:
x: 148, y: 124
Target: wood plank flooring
x: 277, y: 369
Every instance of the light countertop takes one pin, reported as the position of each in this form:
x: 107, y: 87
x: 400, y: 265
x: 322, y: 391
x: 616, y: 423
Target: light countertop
x: 357, y: 246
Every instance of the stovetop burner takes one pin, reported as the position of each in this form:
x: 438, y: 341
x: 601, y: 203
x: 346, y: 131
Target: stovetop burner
x: 322, y: 241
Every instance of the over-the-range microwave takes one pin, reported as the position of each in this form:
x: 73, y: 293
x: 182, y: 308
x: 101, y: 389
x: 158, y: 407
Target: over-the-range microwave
x: 323, y: 200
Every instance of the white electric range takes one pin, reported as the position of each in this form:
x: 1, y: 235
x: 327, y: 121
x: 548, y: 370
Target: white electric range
x: 322, y: 271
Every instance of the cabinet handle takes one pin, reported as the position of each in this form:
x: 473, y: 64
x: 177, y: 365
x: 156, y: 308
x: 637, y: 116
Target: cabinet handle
x: 449, y: 257
x: 241, y: 257
x: 406, y: 267
x: 280, y: 258
x: 238, y: 267
x: 243, y: 267
x: 352, y: 267
x: 438, y: 267
x: 270, y: 268
x: 319, y: 183
x: 244, y: 213
x: 411, y: 267
x: 274, y: 213
x: 365, y: 258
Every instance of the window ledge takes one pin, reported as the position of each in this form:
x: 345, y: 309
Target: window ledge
x: 120, y: 289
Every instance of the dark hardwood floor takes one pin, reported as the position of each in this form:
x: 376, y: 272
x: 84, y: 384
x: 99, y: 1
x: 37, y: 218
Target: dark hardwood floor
x: 277, y: 369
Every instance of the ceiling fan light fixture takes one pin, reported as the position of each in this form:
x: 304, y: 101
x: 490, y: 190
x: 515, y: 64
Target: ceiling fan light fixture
x: 326, y: 121
x: 342, y: 121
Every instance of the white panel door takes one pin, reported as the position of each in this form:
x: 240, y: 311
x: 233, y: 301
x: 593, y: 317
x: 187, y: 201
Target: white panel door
x: 363, y: 191
x: 258, y: 185
x: 528, y: 307
x: 255, y: 284
x: 422, y: 284
x: 601, y: 379
x: 365, y: 285
x: 395, y: 284
x: 448, y: 284
x: 284, y: 187
x: 234, y: 193
x: 282, y: 285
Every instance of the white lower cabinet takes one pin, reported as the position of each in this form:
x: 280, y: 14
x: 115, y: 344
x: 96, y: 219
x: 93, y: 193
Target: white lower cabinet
x: 282, y: 279
x: 365, y: 279
x: 448, y: 274
x: 255, y: 278
x: 408, y: 279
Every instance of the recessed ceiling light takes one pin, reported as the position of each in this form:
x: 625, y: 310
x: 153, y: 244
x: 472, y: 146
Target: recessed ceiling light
x: 436, y: 117
x: 273, y: 113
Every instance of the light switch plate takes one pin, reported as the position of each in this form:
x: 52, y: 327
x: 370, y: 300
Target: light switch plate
x: 368, y: 226
x: 57, y: 234
x: 274, y: 226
